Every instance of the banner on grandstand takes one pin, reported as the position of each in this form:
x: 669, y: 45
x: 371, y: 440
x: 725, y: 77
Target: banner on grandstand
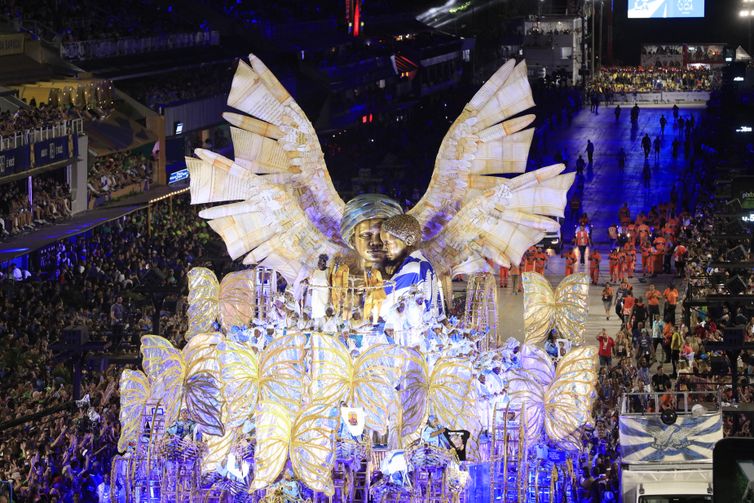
x: 645, y: 439
x: 15, y: 160
x: 12, y: 43
x: 53, y: 150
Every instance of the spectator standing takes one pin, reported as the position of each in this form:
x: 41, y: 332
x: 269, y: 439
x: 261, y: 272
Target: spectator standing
x: 580, y: 164
x: 676, y: 343
x: 671, y: 300
x: 646, y: 145
x: 606, y: 345
x: 590, y: 151
x: 660, y: 381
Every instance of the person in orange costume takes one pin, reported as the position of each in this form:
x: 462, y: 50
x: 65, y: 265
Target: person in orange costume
x: 594, y: 266
x: 529, y: 262
x: 646, y: 252
x: 621, y: 265
x: 630, y: 261
x: 504, y: 276
x: 540, y: 260
x: 614, y: 260
x: 570, y: 262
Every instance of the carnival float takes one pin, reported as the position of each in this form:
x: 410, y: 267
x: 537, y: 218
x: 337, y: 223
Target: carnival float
x: 354, y: 382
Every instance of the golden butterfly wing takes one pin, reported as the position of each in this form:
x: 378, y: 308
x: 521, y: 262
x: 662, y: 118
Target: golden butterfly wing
x: 218, y: 449
x: 282, y: 372
x: 203, y: 400
x: 239, y: 373
x: 164, y: 366
x: 237, y: 299
x: 202, y: 391
x: 376, y: 374
x: 200, y: 353
x: 568, y: 400
x: 134, y: 393
x: 274, y: 425
x: 312, y: 446
x: 331, y: 371
x: 527, y: 402
x: 414, y: 392
x: 572, y: 306
x: 537, y: 364
x: 539, y: 300
x: 450, y: 391
x: 204, y: 291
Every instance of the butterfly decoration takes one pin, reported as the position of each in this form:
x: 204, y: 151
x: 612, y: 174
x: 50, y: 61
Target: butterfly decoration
x: 186, y: 378
x: 306, y: 437
x: 134, y: 393
x: 231, y: 301
x: 367, y: 381
x: 445, y: 389
x: 275, y: 374
x: 556, y: 399
x: 565, y: 308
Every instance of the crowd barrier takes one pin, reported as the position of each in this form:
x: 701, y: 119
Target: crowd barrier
x: 29, y: 136
x: 96, y: 49
x: 667, y: 97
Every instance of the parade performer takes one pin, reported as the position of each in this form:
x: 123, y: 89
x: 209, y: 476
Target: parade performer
x: 339, y: 276
x: 570, y: 262
x: 434, y: 434
x: 594, y: 266
x: 319, y: 288
x: 614, y: 263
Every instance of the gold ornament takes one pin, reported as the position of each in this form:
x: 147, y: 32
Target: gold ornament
x: 367, y: 381
x: 185, y: 378
x: 231, y: 302
x: 307, y: 437
x: 565, y: 309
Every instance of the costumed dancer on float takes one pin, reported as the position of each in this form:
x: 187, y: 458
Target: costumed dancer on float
x: 319, y: 288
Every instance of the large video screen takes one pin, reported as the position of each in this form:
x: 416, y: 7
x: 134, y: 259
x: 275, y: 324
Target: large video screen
x: 665, y: 9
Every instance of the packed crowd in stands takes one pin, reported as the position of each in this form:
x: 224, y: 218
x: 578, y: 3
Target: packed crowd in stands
x: 76, y: 20
x: 183, y: 85
x: 89, y: 281
x: 34, y: 117
x: 620, y: 80
x: 51, y: 203
x: 111, y: 173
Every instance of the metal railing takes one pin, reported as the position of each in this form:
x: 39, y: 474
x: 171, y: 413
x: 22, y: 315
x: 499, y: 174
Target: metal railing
x: 29, y: 136
x: 682, y: 402
x: 128, y: 46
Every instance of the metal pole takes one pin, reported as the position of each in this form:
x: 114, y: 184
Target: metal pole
x: 591, y: 36
x: 602, y: 6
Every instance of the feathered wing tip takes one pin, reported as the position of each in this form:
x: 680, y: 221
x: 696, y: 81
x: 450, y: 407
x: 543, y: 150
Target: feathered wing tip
x: 502, y: 222
x: 486, y: 139
x: 265, y: 223
x: 284, y: 209
x: 277, y: 139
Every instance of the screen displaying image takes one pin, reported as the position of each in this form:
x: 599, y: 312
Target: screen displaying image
x: 662, y: 9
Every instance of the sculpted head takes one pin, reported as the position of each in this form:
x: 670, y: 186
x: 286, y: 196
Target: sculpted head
x: 361, y: 225
x: 401, y: 235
